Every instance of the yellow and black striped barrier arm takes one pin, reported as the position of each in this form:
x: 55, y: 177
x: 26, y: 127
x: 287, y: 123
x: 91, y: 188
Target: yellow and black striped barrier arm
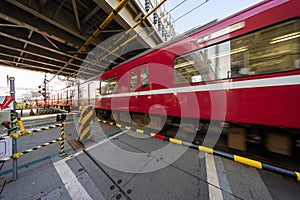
x: 19, y: 154
x: 246, y: 161
x: 20, y: 134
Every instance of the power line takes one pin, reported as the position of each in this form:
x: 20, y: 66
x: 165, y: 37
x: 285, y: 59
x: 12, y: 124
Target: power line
x: 174, y: 8
x: 191, y: 10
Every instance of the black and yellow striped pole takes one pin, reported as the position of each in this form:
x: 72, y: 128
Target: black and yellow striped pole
x: 61, y: 118
x: 13, y: 124
x: 62, y: 140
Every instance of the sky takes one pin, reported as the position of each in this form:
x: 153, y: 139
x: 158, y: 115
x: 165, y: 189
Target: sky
x: 23, y: 78
x: 212, y: 9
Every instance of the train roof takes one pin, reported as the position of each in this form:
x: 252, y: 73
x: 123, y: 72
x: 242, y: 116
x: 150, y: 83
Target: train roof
x: 175, y: 39
x: 189, y: 33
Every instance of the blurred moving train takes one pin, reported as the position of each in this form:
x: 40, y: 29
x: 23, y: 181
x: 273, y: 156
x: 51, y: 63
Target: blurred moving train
x: 243, y: 70
x: 60, y: 99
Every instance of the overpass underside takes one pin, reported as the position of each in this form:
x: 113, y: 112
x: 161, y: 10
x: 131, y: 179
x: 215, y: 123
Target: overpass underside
x: 70, y: 37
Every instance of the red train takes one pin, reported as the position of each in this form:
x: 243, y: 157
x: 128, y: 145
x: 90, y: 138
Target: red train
x: 242, y: 71
x: 57, y: 99
x: 61, y: 99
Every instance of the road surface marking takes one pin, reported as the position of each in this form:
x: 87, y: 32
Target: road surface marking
x: 215, y: 193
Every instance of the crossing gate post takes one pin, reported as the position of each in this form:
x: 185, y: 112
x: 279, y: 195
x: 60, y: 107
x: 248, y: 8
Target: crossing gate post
x: 13, y: 120
x: 62, y: 119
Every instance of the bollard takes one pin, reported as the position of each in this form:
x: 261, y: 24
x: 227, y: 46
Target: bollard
x: 62, y: 118
x: 21, y: 125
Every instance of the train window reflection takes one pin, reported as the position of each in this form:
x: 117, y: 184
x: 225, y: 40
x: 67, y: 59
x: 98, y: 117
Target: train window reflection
x: 133, y: 79
x: 273, y: 49
x: 270, y: 50
x: 98, y: 91
x: 145, y: 77
x: 109, y: 86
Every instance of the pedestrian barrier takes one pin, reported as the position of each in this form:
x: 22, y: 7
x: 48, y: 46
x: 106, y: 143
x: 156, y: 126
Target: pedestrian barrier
x: 24, y: 132
x: 48, y: 111
x: 246, y: 161
x: 19, y: 154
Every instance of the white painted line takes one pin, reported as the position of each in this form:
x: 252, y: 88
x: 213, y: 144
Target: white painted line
x: 215, y: 193
x: 105, y: 140
x: 73, y: 186
x: 222, y: 177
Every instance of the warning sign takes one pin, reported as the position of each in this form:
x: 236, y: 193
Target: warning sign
x: 6, y: 103
x: 5, y: 148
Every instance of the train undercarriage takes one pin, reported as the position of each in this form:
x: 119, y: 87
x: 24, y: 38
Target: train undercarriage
x: 234, y: 136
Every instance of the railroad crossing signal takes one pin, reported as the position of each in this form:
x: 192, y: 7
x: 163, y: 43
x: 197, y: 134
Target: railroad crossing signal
x: 42, y: 90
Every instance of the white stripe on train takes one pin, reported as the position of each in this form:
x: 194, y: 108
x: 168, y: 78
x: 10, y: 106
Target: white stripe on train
x: 257, y: 83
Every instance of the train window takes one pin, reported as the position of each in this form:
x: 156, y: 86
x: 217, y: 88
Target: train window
x: 145, y: 77
x: 98, y: 90
x: 109, y: 86
x: 202, y: 65
x: 273, y: 49
x: 269, y: 50
x: 133, y: 79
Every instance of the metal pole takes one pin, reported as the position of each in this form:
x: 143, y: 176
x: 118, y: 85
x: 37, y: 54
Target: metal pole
x: 14, y: 141
x: 62, y: 119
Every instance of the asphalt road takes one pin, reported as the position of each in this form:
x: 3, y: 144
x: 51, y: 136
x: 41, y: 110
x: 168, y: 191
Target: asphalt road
x: 117, y: 164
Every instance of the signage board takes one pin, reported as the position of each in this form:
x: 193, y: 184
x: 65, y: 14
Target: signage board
x: 6, y: 103
x: 5, y: 148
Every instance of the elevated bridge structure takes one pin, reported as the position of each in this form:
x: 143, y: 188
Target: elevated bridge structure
x: 69, y: 37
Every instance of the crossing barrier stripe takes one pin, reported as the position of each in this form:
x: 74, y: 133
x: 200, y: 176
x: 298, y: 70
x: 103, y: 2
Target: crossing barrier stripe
x: 83, y: 109
x: 246, y: 161
x: 205, y: 149
x: 224, y: 154
x: 139, y: 131
x: 62, y: 141
x: 31, y: 132
x: 85, y: 132
x: 87, y: 117
x: 175, y: 141
x: 298, y: 176
x: 19, y: 154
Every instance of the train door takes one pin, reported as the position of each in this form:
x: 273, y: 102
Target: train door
x: 140, y: 100
x: 139, y: 78
x: 92, y: 92
x: 139, y: 81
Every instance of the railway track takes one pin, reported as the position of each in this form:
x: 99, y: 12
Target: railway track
x: 254, y: 151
